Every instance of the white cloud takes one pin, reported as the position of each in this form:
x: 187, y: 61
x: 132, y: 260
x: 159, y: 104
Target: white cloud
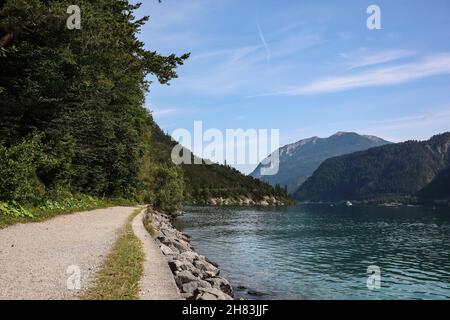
x: 430, y: 66
x: 364, y: 57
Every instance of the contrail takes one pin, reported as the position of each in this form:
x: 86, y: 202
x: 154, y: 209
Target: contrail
x: 263, y: 40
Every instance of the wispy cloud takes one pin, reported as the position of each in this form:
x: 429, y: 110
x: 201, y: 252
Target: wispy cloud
x: 163, y: 113
x: 229, y: 70
x: 364, y: 57
x: 263, y: 41
x: 431, y: 66
x: 419, y: 126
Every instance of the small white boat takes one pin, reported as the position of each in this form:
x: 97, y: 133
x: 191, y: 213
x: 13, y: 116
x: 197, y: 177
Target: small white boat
x: 348, y: 204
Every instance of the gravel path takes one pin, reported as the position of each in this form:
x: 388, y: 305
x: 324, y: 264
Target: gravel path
x: 40, y: 260
x: 157, y: 282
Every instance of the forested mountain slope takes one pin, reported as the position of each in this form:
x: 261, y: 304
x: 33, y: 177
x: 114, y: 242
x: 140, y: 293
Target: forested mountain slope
x: 299, y: 160
x: 209, y: 180
x: 392, y: 172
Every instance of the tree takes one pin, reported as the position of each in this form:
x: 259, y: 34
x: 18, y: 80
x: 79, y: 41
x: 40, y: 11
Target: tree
x: 85, y: 86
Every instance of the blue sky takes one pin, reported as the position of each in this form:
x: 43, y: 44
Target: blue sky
x: 308, y: 68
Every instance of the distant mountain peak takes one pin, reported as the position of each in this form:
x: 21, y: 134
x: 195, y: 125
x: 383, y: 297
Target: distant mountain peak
x: 300, y: 159
x: 343, y: 133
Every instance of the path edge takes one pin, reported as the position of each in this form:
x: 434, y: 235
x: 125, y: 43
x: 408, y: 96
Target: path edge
x: 157, y: 281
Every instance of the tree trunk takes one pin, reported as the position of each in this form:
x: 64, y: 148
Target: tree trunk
x: 5, y: 39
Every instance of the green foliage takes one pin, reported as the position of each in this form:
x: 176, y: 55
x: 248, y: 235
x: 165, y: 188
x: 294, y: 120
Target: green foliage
x: 70, y: 203
x: 82, y: 92
x: 14, y: 210
x: 395, y: 171
x: 168, y: 188
x: 18, y: 166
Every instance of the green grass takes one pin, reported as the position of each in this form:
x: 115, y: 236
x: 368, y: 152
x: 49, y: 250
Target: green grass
x: 149, y: 227
x: 50, y: 209
x: 118, y: 279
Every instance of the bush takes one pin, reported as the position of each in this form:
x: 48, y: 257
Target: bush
x: 18, y: 179
x: 169, y: 187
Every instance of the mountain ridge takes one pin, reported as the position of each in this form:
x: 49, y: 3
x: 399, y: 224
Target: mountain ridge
x: 408, y: 170
x: 300, y: 159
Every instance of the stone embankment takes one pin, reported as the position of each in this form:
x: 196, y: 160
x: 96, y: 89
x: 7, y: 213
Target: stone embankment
x: 197, y: 277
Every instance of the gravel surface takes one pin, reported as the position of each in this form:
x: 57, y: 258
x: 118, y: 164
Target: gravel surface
x: 40, y: 260
x: 157, y: 282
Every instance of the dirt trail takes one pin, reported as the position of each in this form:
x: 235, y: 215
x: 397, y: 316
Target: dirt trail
x: 41, y: 260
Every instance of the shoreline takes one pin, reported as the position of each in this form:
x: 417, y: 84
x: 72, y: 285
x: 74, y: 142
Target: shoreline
x: 196, y: 277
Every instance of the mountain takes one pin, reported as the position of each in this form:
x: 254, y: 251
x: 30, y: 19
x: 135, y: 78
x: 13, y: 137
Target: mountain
x: 438, y: 188
x: 388, y: 173
x: 299, y: 160
x: 211, y: 183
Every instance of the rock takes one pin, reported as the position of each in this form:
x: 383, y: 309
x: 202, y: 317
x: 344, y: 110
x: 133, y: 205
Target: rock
x: 183, y: 277
x: 206, y: 267
x: 190, y: 287
x: 158, y: 234
x: 206, y: 296
x: 174, y: 249
x: 185, y: 295
x: 166, y: 250
x: 175, y: 265
x: 164, y: 240
x: 211, y: 262
x: 221, y: 284
x: 210, y: 294
x: 254, y: 292
x: 211, y: 274
x: 181, y: 247
x: 196, y: 276
x: 190, y: 255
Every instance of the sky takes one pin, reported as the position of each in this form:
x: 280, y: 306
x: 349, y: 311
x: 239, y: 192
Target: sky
x: 307, y: 68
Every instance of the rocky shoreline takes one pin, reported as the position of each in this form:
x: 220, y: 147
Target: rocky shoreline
x: 196, y: 276
x: 243, y: 201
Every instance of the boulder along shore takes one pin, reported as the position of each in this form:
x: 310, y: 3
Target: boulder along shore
x: 196, y: 276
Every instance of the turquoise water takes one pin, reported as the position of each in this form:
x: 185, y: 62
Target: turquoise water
x: 322, y: 252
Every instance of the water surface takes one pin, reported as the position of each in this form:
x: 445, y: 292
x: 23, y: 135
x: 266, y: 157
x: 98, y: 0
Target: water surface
x: 322, y: 252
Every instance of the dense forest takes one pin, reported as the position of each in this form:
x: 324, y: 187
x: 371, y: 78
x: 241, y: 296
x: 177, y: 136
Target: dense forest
x: 410, y: 171
x: 72, y: 115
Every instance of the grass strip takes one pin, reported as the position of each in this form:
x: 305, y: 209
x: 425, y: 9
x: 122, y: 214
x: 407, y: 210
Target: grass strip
x: 118, y: 279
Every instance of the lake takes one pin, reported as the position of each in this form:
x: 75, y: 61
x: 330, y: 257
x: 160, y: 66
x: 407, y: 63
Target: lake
x: 323, y: 252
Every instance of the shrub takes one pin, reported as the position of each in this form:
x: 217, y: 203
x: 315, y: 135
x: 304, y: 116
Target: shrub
x: 169, y: 187
x: 14, y: 210
x: 18, y: 179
